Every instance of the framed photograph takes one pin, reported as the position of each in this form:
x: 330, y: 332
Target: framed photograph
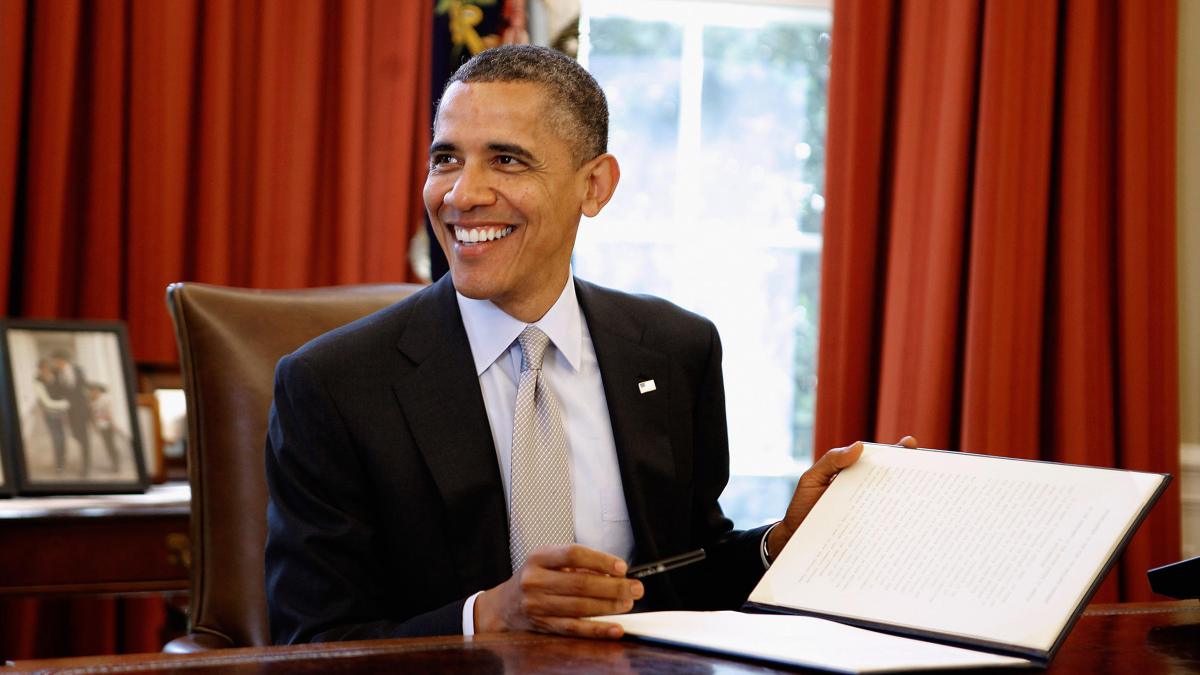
x: 71, y: 420
x: 151, y: 428
x: 172, y: 414
x: 7, y: 481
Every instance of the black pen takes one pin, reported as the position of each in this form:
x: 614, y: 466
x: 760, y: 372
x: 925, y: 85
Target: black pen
x: 665, y: 565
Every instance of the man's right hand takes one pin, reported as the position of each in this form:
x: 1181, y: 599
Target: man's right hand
x: 555, y: 589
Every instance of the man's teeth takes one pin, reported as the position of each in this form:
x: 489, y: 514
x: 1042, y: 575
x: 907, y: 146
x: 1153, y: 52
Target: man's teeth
x: 473, y: 235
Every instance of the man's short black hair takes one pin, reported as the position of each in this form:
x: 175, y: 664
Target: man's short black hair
x: 578, y: 111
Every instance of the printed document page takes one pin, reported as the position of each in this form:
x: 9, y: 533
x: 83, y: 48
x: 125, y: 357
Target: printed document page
x: 964, y: 545
x: 804, y: 641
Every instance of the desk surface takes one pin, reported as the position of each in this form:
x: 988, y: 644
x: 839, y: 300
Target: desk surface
x: 1136, y: 638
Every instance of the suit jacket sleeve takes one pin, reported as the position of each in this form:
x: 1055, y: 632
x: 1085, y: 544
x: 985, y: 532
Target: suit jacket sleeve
x: 324, y: 573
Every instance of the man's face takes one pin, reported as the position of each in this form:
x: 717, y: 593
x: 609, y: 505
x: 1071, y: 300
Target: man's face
x: 504, y: 196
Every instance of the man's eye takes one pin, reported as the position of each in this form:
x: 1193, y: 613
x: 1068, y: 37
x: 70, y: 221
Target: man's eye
x: 507, y: 160
x: 442, y: 159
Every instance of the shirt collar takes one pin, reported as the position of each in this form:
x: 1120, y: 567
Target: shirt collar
x: 491, y: 332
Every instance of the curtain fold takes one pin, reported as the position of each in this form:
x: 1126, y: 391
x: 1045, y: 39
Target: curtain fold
x: 264, y: 143
x: 12, y: 82
x: 999, y: 262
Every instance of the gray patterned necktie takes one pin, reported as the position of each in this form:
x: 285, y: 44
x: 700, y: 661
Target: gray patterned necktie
x: 541, y: 513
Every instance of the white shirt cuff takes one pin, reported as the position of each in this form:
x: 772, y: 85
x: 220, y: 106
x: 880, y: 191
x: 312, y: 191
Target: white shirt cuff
x: 762, y: 550
x: 469, y: 615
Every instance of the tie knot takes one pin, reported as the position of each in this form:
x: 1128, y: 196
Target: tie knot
x: 533, y: 347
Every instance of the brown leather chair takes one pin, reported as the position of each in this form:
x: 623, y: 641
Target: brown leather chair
x: 229, y: 342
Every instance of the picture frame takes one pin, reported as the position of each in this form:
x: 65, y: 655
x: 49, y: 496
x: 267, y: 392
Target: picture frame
x: 172, y: 415
x: 70, y: 416
x: 150, y: 426
x: 8, y: 485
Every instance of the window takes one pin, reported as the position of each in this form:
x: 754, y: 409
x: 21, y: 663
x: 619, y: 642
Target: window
x: 718, y: 121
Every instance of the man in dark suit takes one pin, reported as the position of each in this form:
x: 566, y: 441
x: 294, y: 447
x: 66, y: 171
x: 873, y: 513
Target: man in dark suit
x: 392, y: 439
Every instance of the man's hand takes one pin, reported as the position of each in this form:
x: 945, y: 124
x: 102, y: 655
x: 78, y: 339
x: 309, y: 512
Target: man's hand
x: 555, y: 588
x: 810, y: 488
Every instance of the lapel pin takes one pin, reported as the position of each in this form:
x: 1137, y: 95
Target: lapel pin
x: 646, y: 386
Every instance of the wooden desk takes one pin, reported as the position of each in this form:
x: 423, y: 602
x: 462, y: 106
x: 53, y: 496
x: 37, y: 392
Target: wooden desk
x: 95, y: 544
x: 1144, y: 639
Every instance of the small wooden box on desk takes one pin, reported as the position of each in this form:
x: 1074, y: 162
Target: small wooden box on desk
x: 100, y: 544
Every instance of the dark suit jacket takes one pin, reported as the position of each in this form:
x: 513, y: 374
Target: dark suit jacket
x: 79, y: 413
x: 387, y: 508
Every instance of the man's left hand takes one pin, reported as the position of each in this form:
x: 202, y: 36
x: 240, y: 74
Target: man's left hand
x: 810, y: 488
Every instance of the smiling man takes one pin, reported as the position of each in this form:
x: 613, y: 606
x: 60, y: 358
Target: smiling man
x: 493, y: 452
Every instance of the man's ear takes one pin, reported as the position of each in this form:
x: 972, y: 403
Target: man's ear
x: 602, y: 175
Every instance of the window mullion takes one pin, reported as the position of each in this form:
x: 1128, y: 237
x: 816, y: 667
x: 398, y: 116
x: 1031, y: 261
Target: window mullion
x: 687, y: 153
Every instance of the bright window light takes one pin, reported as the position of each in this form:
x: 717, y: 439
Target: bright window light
x: 718, y: 116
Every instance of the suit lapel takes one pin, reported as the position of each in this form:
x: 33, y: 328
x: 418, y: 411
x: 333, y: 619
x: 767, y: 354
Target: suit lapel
x: 640, y: 421
x: 444, y: 408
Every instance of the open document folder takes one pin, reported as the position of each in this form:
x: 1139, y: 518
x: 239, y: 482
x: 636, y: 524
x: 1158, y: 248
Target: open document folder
x: 992, y: 557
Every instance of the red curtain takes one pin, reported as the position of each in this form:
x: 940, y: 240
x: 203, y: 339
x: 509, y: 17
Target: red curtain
x: 999, y: 261
x: 37, y: 628
x: 269, y: 143
x: 266, y: 143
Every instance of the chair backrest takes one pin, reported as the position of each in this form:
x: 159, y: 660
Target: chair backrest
x: 229, y: 342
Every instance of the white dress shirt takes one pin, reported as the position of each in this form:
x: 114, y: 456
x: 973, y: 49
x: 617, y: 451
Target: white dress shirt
x: 572, y: 372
